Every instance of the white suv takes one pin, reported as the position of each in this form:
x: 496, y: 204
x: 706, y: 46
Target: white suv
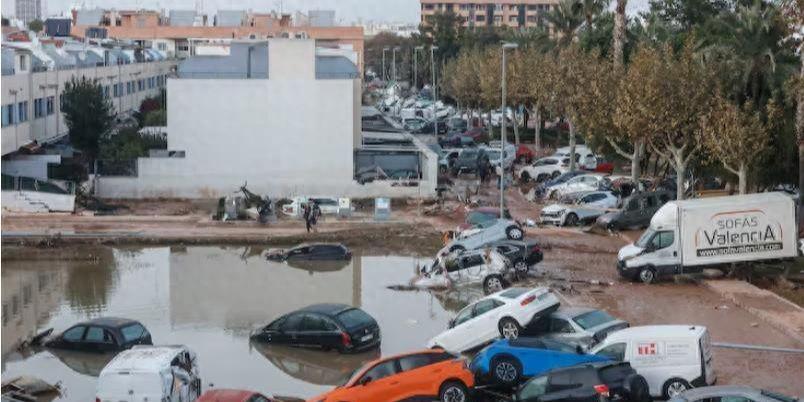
x: 503, y: 314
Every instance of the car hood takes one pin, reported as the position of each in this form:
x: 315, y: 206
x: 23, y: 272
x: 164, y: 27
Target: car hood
x: 554, y: 208
x: 629, y: 251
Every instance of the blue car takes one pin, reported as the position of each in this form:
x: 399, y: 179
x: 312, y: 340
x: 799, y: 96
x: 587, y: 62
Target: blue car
x: 508, y: 362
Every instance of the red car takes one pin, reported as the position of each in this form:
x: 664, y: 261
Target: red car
x: 604, y: 166
x: 476, y: 133
x: 233, y: 395
x: 524, y: 153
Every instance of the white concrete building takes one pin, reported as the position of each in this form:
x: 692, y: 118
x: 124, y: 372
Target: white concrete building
x: 276, y: 114
x: 34, y: 77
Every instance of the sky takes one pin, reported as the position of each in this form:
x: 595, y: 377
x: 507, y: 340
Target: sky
x: 346, y: 11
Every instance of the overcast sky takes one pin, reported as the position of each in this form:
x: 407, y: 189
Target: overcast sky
x: 346, y: 11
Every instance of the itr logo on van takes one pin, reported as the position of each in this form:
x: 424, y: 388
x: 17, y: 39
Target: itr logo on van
x: 646, y: 349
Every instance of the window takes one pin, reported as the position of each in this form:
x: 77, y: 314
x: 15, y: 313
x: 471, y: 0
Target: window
x: 98, y: 335
x: 133, y: 332
x: 8, y: 115
x: 381, y: 370
x: 562, y: 381
x: 74, y: 334
x: 354, y: 318
x: 162, y: 46
x: 615, y: 351
x: 50, y: 108
x: 315, y: 323
x: 292, y: 323
x: 463, y: 316
x: 23, y: 63
x: 533, y: 389
x: 663, y: 198
x: 662, y: 240
x: 427, y: 6
x: 480, y: 18
x: 484, y: 306
x: 593, y: 319
x: 650, y: 201
x: 23, y: 111
x: 39, y: 109
x: 561, y: 325
x: 413, y: 362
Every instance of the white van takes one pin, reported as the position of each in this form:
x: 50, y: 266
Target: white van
x: 150, y: 373
x: 586, y: 158
x: 672, y: 358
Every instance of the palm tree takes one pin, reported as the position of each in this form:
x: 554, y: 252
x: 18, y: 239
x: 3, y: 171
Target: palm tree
x: 564, y: 20
x: 589, y: 9
x: 619, y: 33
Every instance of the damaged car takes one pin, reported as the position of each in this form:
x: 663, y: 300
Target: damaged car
x: 579, y: 208
x: 500, y: 315
x: 483, y: 233
x: 488, y: 267
x: 581, y: 326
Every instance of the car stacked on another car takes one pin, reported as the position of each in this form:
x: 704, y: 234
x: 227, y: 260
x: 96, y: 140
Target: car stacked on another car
x: 581, y: 183
x: 502, y: 314
x: 425, y: 375
x: 579, y: 208
x: 581, y: 326
x: 460, y: 268
x: 521, y: 254
x: 326, y: 326
x: 592, y: 382
x: 483, y: 233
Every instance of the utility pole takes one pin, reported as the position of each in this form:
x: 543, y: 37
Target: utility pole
x: 416, y: 66
x: 435, y: 95
x: 505, y: 45
x: 393, y: 62
x: 384, y: 75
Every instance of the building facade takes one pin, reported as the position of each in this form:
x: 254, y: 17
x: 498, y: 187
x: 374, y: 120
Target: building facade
x: 28, y: 10
x: 520, y: 14
x: 290, y: 125
x: 31, y: 92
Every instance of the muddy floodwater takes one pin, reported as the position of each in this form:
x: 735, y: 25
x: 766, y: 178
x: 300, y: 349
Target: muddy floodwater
x: 210, y: 298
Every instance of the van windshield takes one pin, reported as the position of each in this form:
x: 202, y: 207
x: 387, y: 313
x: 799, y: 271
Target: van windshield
x: 645, y: 239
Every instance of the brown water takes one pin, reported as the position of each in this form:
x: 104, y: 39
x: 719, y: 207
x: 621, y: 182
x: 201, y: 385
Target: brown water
x: 209, y: 298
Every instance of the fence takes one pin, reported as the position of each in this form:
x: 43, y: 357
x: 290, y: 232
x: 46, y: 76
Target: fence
x: 19, y: 183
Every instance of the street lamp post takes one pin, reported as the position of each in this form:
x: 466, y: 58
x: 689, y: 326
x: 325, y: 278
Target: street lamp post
x: 505, y: 45
x: 435, y: 95
x: 393, y: 62
x: 384, y: 76
x: 416, y: 66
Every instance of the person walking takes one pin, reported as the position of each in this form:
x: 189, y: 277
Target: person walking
x: 306, y: 213
x: 315, y: 213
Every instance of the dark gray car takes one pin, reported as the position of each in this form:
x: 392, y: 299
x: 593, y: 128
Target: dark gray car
x: 469, y: 160
x: 637, y: 210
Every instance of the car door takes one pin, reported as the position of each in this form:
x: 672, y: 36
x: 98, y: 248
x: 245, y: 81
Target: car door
x: 98, y: 339
x: 563, y: 329
x: 416, y: 374
x: 289, y: 330
x: 462, y: 331
x: 313, y: 331
x: 533, y: 390
x: 666, y: 249
x: 485, y: 317
x: 73, y: 338
x: 379, y: 383
x: 631, y: 212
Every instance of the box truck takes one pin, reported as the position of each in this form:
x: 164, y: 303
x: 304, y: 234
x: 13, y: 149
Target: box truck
x: 686, y: 236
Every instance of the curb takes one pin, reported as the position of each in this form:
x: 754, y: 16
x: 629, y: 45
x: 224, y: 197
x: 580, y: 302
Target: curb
x: 775, y: 322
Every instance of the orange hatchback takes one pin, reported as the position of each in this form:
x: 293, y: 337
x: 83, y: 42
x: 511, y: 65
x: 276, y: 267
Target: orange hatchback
x: 426, y: 374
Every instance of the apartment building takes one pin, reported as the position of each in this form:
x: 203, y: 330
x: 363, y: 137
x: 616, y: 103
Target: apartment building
x: 34, y: 76
x: 28, y: 10
x: 520, y: 14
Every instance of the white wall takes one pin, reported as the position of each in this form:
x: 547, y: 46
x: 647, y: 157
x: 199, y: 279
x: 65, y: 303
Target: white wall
x: 37, y: 201
x: 30, y: 86
x: 30, y: 165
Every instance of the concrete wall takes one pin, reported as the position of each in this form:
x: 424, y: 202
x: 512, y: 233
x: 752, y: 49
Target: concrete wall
x: 37, y: 201
x: 30, y: 86
x: 30, y: 165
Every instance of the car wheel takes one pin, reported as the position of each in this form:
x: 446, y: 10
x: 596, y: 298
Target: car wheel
x: 514, y: 233
x: 647, y: 275
x: 506, y: 371
x: 524, y: 176
x: 571, y: 220
x: 637, y: 389
x: 555, y: 174
x: 509, y: 328
x: 674, y: 386
x: 493, y: 284
x: 442, y: 169
x: 457, y: 248
x: 453, y: 391
x: 521, y: 267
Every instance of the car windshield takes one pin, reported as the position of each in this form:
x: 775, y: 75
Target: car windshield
x: 493, y: 154
x: 354, y: 318
x: 644, y: 240
x: 593, y: 319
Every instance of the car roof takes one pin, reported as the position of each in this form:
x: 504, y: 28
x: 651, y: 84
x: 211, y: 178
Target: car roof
x: 110, y: 322
x: 571, y: 312
x: 326, y: 308
x: 317, y: 244
x: 226, y: 395
x: 144, y: 358
x: 656, y: 331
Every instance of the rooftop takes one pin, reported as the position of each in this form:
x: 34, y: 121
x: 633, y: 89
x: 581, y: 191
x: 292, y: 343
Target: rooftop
x: 326, y: 308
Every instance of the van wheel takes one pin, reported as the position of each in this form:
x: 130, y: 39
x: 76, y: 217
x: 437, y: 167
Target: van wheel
x: 493, y: 284
x: 514, y: 233
x: 453, y: 391
x: 647, y: 275
x: 675, y: 386
x: 571, y: 220
x: 506, y: 371
x: 521, y: 267
x: 509, y: 328
x: 524, y: 177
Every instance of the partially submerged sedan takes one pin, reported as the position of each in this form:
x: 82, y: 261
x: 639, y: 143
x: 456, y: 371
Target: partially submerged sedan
x: 325, y: 326
x: 311, y: 252
x: 104, y: 334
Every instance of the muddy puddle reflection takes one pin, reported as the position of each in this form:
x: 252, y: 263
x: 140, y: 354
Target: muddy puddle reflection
x: 210, y: 298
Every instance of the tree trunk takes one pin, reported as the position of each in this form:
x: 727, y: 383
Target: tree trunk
x: 491, y: 129
x: 571, y: 145
x: 800, y: 127
x: 537, y: 129
x: 636, y: 159
x: 515, y: 123
x: 742, y: 172
x: 619, y: 33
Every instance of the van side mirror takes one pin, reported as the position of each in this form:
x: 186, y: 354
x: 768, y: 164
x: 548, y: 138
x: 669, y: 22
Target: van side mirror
x: 451, y: 323
x: 365, y: 380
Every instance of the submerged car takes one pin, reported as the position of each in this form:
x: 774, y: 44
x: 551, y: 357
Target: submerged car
x: 103, y: 334
x: 484, y: 233
x: 592, y: 382
x: 425, y: 375
x: 507, y: 362
x: 311, y: 251
x: 502, y: 314
x: 579, y: 208
x: 313, y: 366
x: 490, y: 268
x: 326, y: 326
x: 582, y: 326
x: 150, y: 373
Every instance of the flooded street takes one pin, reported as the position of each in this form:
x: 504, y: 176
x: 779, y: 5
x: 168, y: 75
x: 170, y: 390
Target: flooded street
x: 210, y: 298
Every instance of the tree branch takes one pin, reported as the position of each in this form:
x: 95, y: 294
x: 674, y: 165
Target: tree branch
x: 619, y: 150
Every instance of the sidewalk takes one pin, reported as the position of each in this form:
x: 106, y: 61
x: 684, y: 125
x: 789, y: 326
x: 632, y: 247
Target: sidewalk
x: 771, y: 308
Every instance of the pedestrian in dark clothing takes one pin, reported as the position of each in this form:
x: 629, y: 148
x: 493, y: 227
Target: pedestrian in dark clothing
x: 482, y: 171
x: 314, y: 215
x: 306, y: 213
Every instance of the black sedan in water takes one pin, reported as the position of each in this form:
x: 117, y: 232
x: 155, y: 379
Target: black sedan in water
x: 101, y: 335
x: 326, y: 326
x: 311, y: 252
